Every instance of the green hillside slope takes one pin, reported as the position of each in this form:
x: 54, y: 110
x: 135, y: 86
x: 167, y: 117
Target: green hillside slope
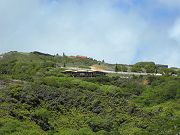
x: 36, y: 98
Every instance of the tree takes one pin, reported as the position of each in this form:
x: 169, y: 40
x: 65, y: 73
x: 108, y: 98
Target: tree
x: 148, y: 67
x: 167, y: 71
x: 64, y: 54
x: 116, y: 68
x: 64, y: 65
x: 124, y: 68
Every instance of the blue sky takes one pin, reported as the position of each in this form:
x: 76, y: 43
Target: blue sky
x: 119, y: 31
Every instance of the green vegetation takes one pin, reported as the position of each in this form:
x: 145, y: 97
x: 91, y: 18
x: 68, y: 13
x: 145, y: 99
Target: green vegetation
x: 148, y: 67
x: 36, y: 98
x: 121, y: 68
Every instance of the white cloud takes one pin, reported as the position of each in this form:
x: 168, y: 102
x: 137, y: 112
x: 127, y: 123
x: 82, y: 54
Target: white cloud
x: 170, y: 3
x: 93, y: 28
x: 175, y: 31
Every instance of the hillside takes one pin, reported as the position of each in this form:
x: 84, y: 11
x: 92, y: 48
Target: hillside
x: 37, y: 98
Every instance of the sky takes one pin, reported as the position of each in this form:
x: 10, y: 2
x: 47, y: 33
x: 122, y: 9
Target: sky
x: 118, y: 31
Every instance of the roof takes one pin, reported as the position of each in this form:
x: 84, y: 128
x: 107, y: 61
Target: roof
x: 87, y: 71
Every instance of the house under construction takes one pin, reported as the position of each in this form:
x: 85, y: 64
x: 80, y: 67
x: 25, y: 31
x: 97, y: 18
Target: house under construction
x: 84, y: 73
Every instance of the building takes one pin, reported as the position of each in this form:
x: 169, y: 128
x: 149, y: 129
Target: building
x: 84, y: 73
x: 161, y: 66
x: 81, y: 57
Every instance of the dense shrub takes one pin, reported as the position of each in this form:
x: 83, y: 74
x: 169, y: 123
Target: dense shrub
x: 36, y: 98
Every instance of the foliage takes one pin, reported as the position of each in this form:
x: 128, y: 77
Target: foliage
x: 121, y: 68
x: 36, y: 98
x: 148, y: 67
x: 15, y: 127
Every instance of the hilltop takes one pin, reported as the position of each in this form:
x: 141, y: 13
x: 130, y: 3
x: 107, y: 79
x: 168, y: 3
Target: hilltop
x: 83, y: 62
x: 37, y: 97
